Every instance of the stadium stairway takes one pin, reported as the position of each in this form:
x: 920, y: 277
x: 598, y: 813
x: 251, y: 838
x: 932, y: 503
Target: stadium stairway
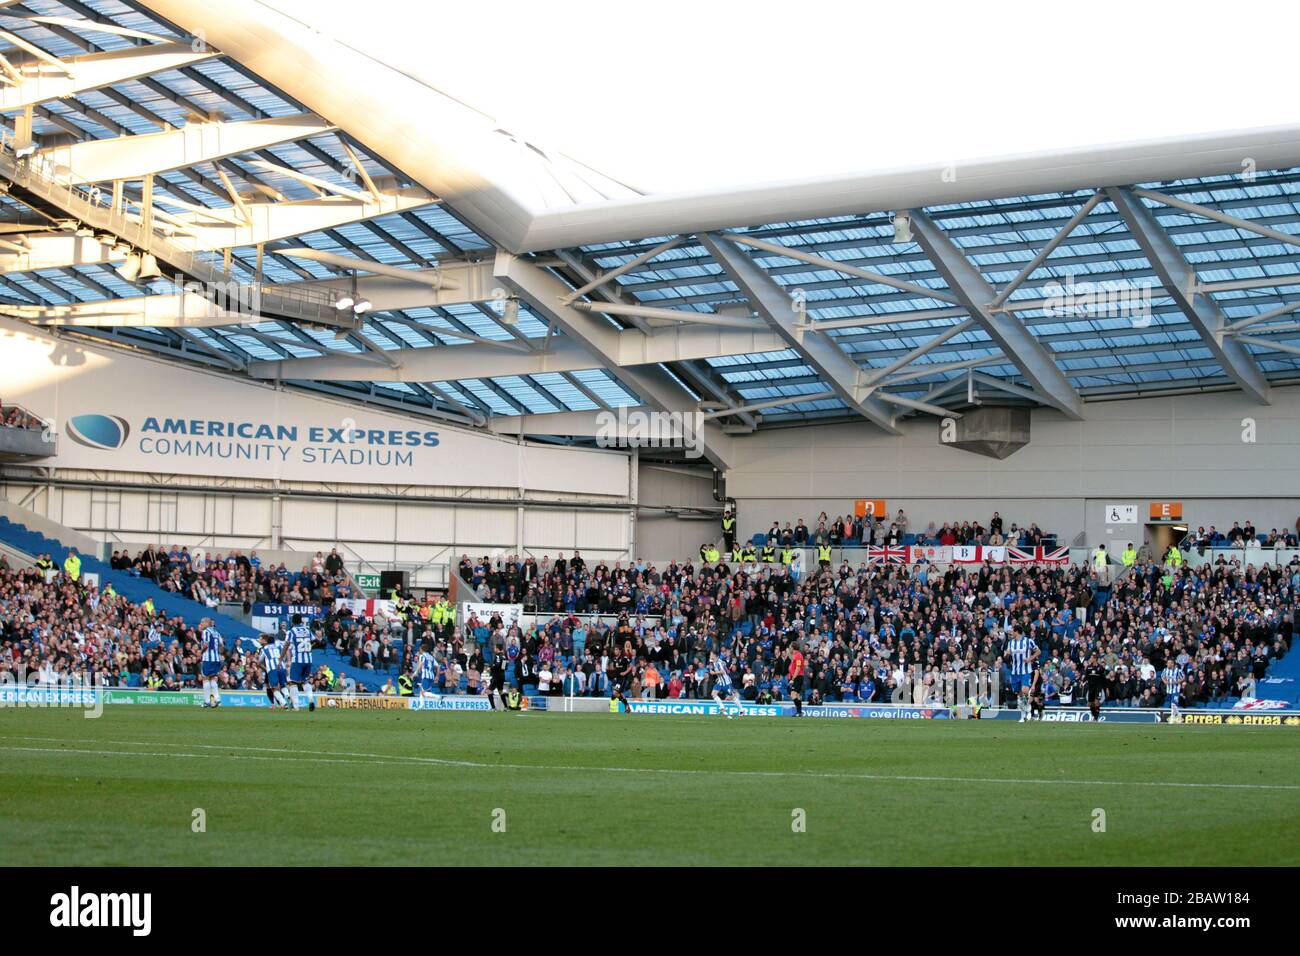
x: 1282, y: 681
x: 18, y: 537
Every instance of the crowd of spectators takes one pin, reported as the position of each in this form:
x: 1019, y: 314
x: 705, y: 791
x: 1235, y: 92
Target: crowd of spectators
x: 236, y: 578
x: 861, y: 530
x: 70, y: 632
x: 366, y: 644
x: 878, y: 633
x: 11, y: 416
x: 1243, y: 536
x: 869, y: 633
x: 67, y: 630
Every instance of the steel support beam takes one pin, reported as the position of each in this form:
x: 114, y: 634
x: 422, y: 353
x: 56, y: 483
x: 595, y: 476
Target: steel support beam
x: 274, y: 221
x: 919, y: 406
x: 133, y: 157
x: 41, y: 81
x: 544, y: 292
x: 32, y: 251
x: 1016, y: 341
x: 628, y: 348
x: 583, y: 424
x: 205, y: 232
x: 772, y: 403
x: 446, y: 363
x: 997, y: 383
x: 775, y: 306
x: 1179, y: 279
x: 653, y: 314
x: 1271, y: 314
x: 628, y: 266
x: 184, y: 310
x: 1270, y: 344
x: 876, y: 375
x: 1050, y: 247
x: 843, y: 268
x: 455, y: 283
x: 1204, y: 211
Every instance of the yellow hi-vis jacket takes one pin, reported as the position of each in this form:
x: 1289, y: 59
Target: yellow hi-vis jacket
x: 72, y: 565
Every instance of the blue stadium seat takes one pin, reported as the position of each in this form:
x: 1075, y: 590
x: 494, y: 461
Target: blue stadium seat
x: 134, y: 589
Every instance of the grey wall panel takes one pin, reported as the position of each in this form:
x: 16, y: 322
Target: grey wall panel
x: 1189, y: 448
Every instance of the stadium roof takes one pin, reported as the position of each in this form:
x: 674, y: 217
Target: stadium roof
x: 276, y: 170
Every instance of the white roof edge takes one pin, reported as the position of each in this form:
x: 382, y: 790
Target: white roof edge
x: 1236, y: 151
x: 454, y: 152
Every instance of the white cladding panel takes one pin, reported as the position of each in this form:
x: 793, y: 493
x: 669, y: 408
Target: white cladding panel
x: 367, y: 520
x: 194, y: 422
x: 1222, y: 455
x: 601, y: 530
x: 308, y: 518
x: 426, y: 522
x: 549, y: 529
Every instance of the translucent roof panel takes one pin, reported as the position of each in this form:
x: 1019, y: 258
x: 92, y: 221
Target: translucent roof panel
x: 873, y: 315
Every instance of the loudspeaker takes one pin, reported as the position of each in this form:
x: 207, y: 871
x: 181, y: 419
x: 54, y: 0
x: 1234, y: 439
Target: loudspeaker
x: 393, y: 579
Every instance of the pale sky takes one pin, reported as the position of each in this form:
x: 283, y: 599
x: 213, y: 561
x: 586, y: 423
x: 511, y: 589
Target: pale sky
x: 687, y: 94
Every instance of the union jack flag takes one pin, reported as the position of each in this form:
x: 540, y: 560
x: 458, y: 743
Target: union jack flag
x: 890, y: 554
x: 1039, y: 555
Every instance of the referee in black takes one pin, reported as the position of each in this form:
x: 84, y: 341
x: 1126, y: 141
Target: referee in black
x: 1095, y: 675
x: 1037, y: 693
x: 497, y: 680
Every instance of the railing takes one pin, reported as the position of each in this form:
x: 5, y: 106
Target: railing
x: 37, y: 422
x: 88, y: 204
x: 1253, y: 556
x: 1188, y: 543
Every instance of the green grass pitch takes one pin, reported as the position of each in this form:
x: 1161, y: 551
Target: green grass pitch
x: 358, y: 787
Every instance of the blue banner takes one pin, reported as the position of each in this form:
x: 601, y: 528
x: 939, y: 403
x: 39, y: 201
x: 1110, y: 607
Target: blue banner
x: 701, y: 707
x: 450, y: 703
x: 786, y: 709
x: 888, y: 712
x: 286, y: 610
x: 17, y: 695
x: 1078, y: 715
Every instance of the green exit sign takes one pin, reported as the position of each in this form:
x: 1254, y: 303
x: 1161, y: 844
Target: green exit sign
x: 367, y: 582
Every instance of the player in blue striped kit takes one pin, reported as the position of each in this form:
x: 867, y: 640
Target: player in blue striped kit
x: 1022, y: 651
x: 213, y: 659
x: 271, y: 657
x: 1173, y: 677
x: 424, y: 672
x: 297, y: 654
x: 724, y: 691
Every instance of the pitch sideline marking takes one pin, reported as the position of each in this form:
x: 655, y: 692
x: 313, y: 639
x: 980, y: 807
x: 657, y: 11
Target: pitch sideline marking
x: 327, y: 756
